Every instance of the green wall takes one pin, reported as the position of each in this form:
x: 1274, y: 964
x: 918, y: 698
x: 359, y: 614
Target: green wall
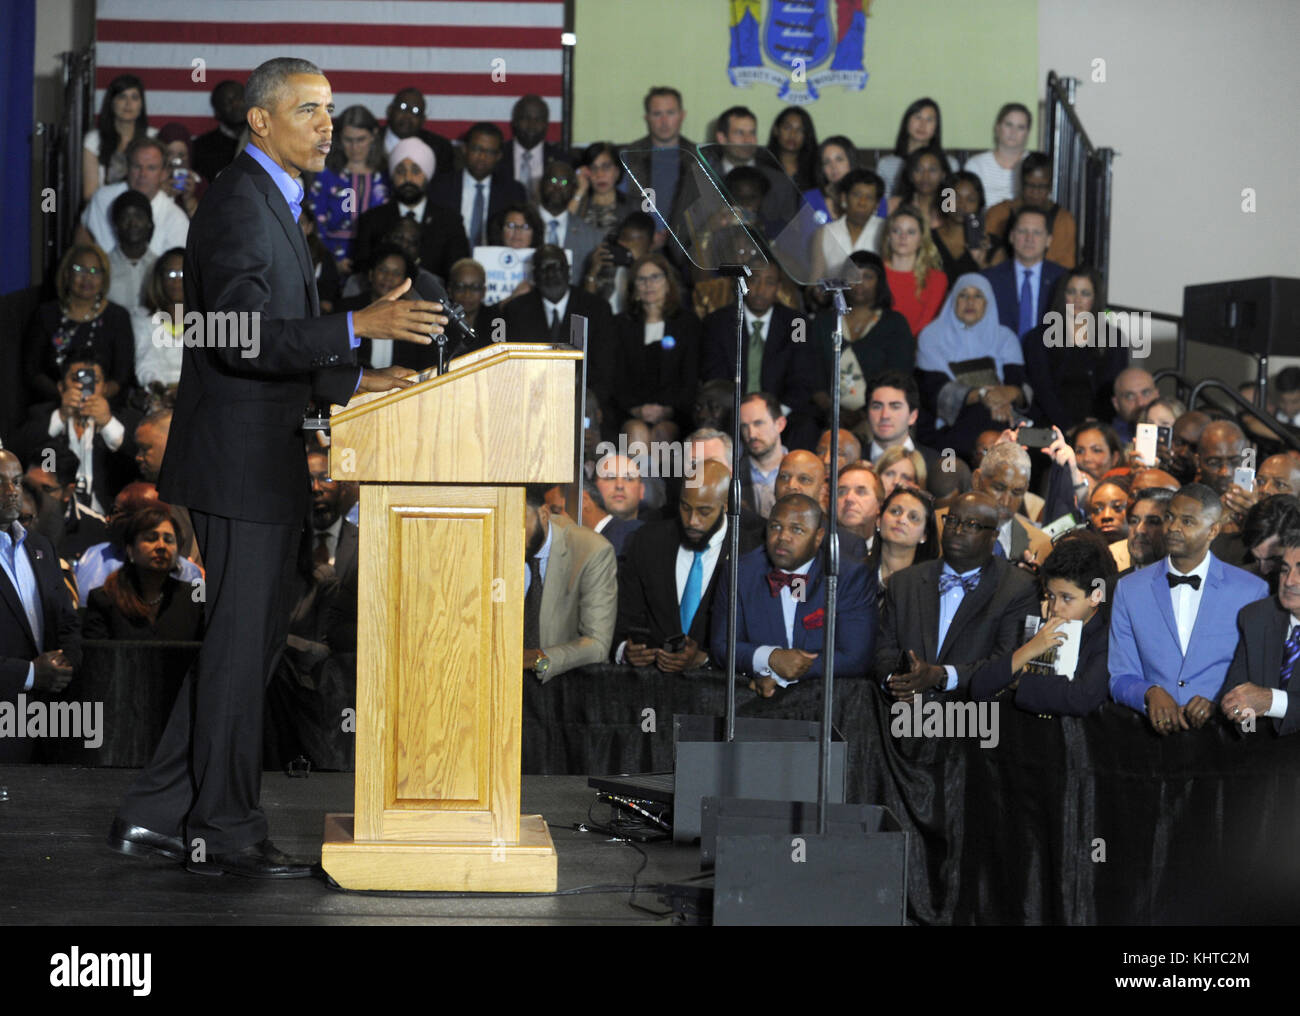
x: 969, y: 55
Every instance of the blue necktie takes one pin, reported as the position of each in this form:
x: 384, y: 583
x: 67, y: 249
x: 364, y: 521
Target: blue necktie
x: 692, y: 593
x: 1292, y: 650
x: 948, y: 582
x: 1027, y: 307
x: 553, y: 232
x: 476, y: 219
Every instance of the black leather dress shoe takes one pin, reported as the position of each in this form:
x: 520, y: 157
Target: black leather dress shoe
x: 139, y: 841
x: 261, y: 860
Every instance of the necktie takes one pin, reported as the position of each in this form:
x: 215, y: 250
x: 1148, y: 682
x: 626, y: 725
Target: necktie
x: 533, y: 606
x: 526, y: 172
x: 476, y: 217
x: 776, y: 579
x: 553, y: 232
x: 948, y: 582
x: 1027, y: 308
x: 1177, y: 580
x: 754, y: 362
x: 321, y: 555
x: 1291, y: 653
x: 691, y: 594
x: 555, y: 324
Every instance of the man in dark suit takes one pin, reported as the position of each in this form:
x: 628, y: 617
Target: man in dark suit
x: 781, y: 605
x: 476, y: 193
x: 40, y: 636
x: 952, y: 615
x: 215, y: 150
x: 667, y: 579
x: 559, y: 226
x: 235, y: 458
x: 773, y: 360
x: 528, y: 152
x: 406, y: 120
x: 893, y: 404
x: 1028, y: 273
x: 1264, y: 664
x: 545, y: 313
x: 442, y: 237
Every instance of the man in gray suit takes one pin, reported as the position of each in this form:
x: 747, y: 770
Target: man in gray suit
x: 559, y: 183
x: 571, y: 591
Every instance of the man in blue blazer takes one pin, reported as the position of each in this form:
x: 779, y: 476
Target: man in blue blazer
x: 1029, y: 268
x: 1173, y: 624
x: 781, y: 605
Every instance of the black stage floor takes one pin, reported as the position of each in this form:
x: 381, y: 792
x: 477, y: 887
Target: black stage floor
x: 55, y: 868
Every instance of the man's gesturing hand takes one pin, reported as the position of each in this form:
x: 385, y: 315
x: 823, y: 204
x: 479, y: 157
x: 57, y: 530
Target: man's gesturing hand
x: 391, y: 317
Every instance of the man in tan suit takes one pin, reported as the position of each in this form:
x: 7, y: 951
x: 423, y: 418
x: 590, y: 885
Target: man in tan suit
x: 1004, y: 475
x: 571, y: 598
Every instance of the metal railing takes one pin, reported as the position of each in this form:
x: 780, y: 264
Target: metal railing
x: 1081, y: 172
x: 61, y: 145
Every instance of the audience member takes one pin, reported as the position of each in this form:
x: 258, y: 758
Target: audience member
x: 1278, y: 474
x: 131, y: 260
x: 802, y: 472
x: 528, y: 152
x: 1162, y: 412
x: 735, y: 138
x: 596, y: 518
x: 859, y: 495
x: 618, y: 478
x: 98, y: 562
x: 1285, y: 392
x: 1168, y: 658
x: 466, y: 284
x: 777, y: 650
x: 1146, y: 529
x: 146, y: 170
x: 216, y: 149
x: 913, y: 267
x: 160, y: 330
x: 1097, y: 449
x: 1022, y: 285
x: 1135, y: 389
x: 793, y: 143
x: 570, y: 592
x: 597, y: 200
x: 1180, y: 460
x: 1108, y: 510
x: 406, y: 115
x: 1004, y: 476
x: 920, y: 128
x: 898, y: 465
x: 998, y: 169
x: 906, y: 534
x: 836, y: 157
x: 858, y: 229
x: 962, y: 217
x: 122, y: 118
x: 325, y: 269
x: 558, y: 184
x: 142, y: 600
x: 919, y: 183
x: 951, y: 616
x: 476, y: 192
x: 762, y: 423
x: 181, y: 181
x: 666, y: 168
x: 850, y: 450
x: 352, y: 183
x: 1035, y: 192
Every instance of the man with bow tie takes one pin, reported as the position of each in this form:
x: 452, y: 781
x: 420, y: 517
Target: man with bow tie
x: 952, y: 615
x: 781, y: 605
x: 1173, y: 624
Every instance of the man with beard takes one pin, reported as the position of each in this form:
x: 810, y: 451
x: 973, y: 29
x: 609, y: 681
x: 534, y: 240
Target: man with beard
x: 1180, y: 459
x: 40, y: 636
x: 558, y: 184
x: 761, y: 426
x: 954, y: 614
x: 406, y: 120
x: 442, y: 237
x: 667, y: 581
x: 1169, y: 657
x: 1146, y: 530
x: 1262, y: 531
x: 215, y: 150
x: 63, y: 520
x: 527, y: 154
x: 570, y: 591
x: 781, y: 605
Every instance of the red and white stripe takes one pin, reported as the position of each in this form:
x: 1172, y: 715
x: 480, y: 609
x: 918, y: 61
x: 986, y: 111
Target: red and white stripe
x: 369, y: 49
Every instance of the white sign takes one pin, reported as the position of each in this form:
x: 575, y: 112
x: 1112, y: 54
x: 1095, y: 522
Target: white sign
x: 506, y: 267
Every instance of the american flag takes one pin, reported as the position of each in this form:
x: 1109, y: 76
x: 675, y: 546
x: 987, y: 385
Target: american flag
x: 369, y: 50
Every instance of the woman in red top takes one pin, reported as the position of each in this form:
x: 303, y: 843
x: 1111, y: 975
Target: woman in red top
x: 913, y: 267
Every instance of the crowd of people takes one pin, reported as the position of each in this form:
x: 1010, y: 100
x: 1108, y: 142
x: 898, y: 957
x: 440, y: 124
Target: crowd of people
x: 968, y: 541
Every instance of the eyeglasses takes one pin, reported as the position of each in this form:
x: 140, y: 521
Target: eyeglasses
x: 650, y: 280
x: 558, y: 181
x: 969, y: 525
x: 177, y: 274
x: 1219, y: 465
x: 517, y: 227
x: 85, y: 270
x: 410, y: 108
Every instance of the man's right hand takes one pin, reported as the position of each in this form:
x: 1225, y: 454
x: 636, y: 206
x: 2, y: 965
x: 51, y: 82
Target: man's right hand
x: 1163, y: 712
x: 391, y: 317
x: 53, y: 672
x: 70, y: 403
x: 638, y: 655
x: 791, y: 664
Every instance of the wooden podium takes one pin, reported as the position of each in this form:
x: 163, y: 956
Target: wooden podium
x: 440, y: 620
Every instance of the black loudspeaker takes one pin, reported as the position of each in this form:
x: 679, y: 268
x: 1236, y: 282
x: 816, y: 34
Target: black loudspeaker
x: 1257, y: 316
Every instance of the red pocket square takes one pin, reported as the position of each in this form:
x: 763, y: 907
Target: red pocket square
x: 817, y: 619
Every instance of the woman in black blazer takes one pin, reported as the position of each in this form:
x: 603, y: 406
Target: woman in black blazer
x: 141, y: 600
x: 656, y: 353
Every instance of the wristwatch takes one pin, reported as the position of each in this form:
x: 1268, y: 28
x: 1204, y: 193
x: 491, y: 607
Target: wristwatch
x: 541, y: 666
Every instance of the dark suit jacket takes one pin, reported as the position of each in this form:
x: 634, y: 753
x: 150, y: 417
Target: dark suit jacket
x: 789, y: 368
x: 1262, y: 628
x: 445, y: 192
x: 442, y: 237
x: 18, y: 646
x: 213, y: 152
x: 179, y: 617
x: 236, y: 442
x: 618, y: 531
x: 989, y: 622
x: 759, y: 621
x: 663, y: 373
x: 647, y: 585
x: 113, y: 470
x: 1057, y: 694
x: 506, y: 167
x: 1003, y: 279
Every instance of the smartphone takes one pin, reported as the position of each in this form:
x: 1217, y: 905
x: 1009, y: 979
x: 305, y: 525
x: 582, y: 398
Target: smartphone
x: 675, y: 643
x: 639, y: 636
x: 1145, y: 442
x: 1244, y: 478
x: 973, y: 231
x: 85, y: 378
x: 1035, y: 437
x: 904, y: 663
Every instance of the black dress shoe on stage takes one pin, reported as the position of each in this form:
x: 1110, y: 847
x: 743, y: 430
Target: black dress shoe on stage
x: 261, y: 860
x: 139, y: 841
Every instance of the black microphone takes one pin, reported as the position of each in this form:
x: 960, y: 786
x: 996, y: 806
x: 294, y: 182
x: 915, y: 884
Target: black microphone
x: 429, y: 288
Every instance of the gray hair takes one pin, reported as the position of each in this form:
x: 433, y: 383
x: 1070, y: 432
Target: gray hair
x: 710, y: 434
x: 269, y: 79
x: 1007, y: 453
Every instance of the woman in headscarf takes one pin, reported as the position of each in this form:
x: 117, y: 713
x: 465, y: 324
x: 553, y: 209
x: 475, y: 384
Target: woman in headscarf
x: 970, y: 367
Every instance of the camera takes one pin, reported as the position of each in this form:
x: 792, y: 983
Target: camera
x: 85, y: 379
